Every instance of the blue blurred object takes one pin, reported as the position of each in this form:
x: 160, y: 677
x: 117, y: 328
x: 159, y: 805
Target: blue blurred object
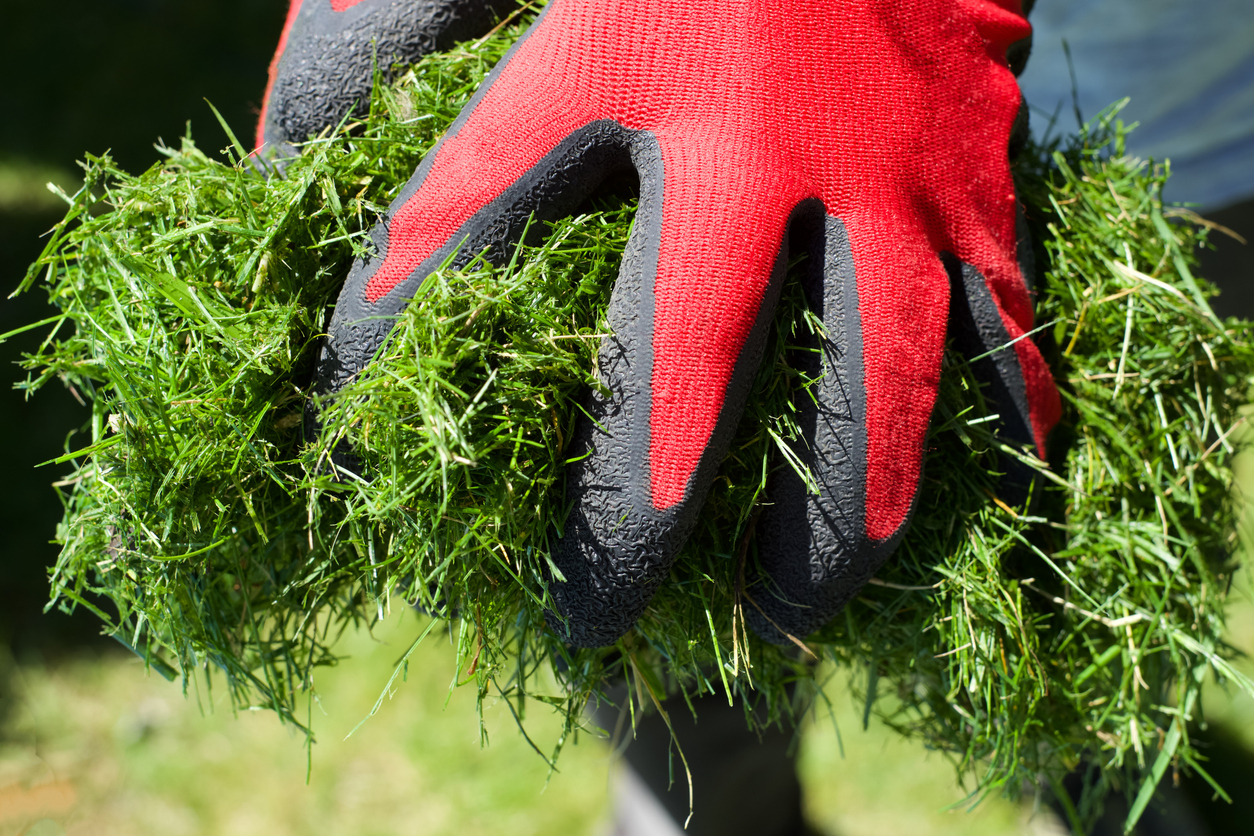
x: 1188, y: 66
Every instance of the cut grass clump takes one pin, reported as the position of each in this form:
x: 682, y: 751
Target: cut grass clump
x: 209, y: 536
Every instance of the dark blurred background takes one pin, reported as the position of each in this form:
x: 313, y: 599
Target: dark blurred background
x: 91, y: 76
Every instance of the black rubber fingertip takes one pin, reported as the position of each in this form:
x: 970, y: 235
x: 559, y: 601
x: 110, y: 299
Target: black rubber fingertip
x: 814, y: 553
x: 977, y: 329
x: 327, y: 68
x: 617, y: 548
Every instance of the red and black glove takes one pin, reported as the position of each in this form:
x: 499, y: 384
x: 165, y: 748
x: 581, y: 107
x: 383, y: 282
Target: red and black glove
x: 872, y: 133
x: 324, y: 66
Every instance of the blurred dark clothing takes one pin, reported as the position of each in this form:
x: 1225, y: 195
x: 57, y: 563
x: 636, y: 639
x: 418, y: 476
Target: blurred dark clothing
x: 743, y: 784
x: 1230, y: 265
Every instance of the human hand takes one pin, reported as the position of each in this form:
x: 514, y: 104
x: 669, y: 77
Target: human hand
x: 872, y: 133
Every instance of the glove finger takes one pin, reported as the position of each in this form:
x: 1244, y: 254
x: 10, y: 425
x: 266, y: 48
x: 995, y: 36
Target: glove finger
x: 819, y: 543
x: 500, y: 166
x: 1015, y: 380
x: 324, y: 66
x: 865, y: 422
x: 690, y: 314
x: 863, y: 427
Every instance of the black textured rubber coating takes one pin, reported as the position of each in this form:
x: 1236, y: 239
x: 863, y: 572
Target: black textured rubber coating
x: 327, y: 68
x: 813, y: 550
x: 976, y: 326
x: 616, y: 547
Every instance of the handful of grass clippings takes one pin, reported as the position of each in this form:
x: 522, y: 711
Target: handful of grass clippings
x: 209, y: 536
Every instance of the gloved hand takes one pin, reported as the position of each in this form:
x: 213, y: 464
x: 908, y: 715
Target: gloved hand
x: 324, y: 66
x: 872, y: 133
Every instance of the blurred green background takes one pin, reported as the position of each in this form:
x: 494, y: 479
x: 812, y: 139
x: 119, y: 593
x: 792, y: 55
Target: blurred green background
x: 90, y: 743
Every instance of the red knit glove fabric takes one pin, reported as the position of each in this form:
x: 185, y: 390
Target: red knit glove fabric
x: 872, y: 133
